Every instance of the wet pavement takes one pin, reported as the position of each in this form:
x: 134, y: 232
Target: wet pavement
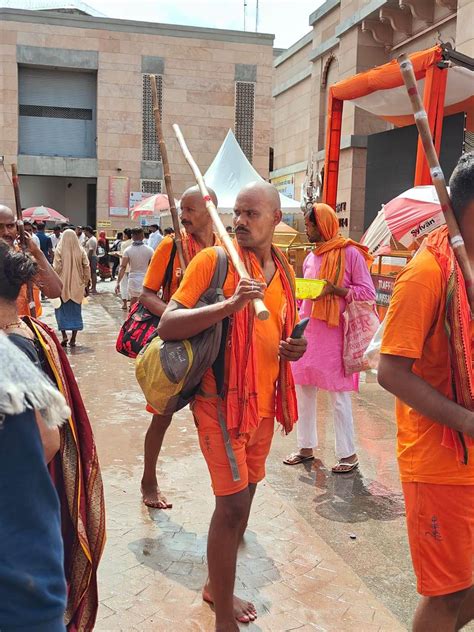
x: 322, y: 552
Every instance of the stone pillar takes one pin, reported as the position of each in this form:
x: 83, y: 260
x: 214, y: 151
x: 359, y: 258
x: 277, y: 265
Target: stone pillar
x: 8, y: 110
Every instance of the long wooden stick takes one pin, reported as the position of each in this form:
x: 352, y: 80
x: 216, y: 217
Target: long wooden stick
x: 261, y: 311
x: 167, y: 174
x: 21, y: 233
x: 437, y: 175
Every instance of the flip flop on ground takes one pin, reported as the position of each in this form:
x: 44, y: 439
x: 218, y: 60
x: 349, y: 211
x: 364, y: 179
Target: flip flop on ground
x: 296, y: 458
x: 343, y: 467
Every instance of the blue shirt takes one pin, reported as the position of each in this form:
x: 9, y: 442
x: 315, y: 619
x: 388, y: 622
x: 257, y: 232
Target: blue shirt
x: 46, y: 244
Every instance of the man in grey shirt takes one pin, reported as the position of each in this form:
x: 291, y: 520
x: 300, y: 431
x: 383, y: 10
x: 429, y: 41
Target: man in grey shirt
x: 137, y: 257
x: 91, y: 248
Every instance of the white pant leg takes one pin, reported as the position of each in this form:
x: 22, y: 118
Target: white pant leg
x: 124, y: 287
x: 306, y: 429
x: 343, y: 424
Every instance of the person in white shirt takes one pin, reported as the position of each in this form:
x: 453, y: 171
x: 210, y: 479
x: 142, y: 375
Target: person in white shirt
x: 29, y: 229
x: 55, y: 236
x: 127, y: 232
x: 155, y: 237
x: 81, y: 236
x: 137, y: 256
x: 91, y: 248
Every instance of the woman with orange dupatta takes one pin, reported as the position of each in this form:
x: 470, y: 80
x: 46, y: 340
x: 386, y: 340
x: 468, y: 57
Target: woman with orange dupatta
x: 344, y: 265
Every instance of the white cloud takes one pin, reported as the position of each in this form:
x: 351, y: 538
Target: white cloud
x: 287, y: 19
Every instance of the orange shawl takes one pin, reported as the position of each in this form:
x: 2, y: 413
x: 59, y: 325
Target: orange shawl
x: 242, y: 398
x: 334, y: 261
x: 458, y: 328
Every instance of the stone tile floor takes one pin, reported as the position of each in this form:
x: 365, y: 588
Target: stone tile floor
x: 154, y: 563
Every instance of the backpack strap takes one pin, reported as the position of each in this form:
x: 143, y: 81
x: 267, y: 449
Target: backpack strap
x: 169, y: 273
x: 220, y: 273
x: 217, y: 283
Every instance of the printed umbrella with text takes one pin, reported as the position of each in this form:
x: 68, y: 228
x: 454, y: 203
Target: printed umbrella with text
x: 405, y: 219
x: 43, y: 214
x: 151, y: 206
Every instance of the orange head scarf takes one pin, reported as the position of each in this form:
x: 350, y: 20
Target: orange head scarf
x: 333, y: 266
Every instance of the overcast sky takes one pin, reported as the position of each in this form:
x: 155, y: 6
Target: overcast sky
x: 286, y: 19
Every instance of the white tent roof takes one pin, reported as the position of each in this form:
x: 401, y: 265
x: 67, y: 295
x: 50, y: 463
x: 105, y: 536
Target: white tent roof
x: 230, y: 171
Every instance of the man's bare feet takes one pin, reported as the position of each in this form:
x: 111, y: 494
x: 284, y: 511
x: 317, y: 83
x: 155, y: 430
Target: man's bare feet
x: 152, y: 497
x: 244, y: 611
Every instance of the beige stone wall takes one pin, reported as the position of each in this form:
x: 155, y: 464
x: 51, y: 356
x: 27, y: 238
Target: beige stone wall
x: 198, y: 94
x: 291, y: 119
x: 8, y: 111
x: 465, y: 27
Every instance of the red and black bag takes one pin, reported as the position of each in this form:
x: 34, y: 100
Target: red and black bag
x: 140, y: 326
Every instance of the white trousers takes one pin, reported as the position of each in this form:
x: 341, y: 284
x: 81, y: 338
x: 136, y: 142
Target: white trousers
x: 306, y: 428
x: 124, y: 287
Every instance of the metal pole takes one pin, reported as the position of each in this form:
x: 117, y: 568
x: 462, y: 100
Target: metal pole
x: 245, y: 8
x: 256, y: 17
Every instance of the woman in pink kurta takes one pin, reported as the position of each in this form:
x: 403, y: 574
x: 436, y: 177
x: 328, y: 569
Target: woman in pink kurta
x: 322, y: 366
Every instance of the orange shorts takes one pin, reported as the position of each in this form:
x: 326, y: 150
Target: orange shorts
x: 251, y: 450
x: 440, y: 521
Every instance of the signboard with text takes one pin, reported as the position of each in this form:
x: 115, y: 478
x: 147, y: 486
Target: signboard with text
x: 119, y: 189
x: 285, y: 185
x: 383, y: 289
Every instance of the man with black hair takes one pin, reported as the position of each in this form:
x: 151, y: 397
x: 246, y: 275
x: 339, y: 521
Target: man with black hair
x: 427, y: 362
x: 137, y: 257
x: 155, y: 237
x: 90, y: 247
x: 46, y: 244
x: 56, y: 236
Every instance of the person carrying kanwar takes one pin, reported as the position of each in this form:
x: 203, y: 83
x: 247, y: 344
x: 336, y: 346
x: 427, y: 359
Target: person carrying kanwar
x: 427, y: 363
x: 71, y: 455
x: 136, y: 258
x: 157, y: 290
x: 258, y: 381
x: 46, y: 280
x: 72, y: 265
x: 344, y: 265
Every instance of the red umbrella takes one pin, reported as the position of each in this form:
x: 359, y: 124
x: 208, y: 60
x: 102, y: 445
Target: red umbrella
x: 151, y: 206
x: 43, y: 214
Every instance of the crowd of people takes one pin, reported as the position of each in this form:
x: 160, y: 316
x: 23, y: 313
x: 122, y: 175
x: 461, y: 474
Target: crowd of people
x: 269, y: 374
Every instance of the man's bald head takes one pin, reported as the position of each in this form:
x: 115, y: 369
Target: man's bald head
x: 8, y: 230
x: 263, y: 191
x: 195, y: 192
x: 257, y: 211
x: 194, y: 215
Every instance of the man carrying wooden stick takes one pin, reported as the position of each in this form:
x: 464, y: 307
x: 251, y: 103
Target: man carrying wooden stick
x: 47, y: 280
x: 198, y: 234
x: 258, y: 380
x: 426, y: 361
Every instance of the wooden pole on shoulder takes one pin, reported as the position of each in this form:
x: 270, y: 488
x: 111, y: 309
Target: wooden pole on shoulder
x: 261, y: 311
x: 167, y: 174
x: 437, y: 175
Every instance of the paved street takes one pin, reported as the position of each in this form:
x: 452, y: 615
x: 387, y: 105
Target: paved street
x: 322, y: 552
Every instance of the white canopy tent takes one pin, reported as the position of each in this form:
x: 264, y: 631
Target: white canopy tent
x: 230, y: 171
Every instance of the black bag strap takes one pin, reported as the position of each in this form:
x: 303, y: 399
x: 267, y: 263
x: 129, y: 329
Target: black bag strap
x: 169, y: 272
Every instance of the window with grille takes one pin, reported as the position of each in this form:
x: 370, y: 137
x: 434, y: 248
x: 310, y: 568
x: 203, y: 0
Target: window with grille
x: 51, y: 111
x: 151, y: 186
x: 244, y: 116
x: 150, y: 145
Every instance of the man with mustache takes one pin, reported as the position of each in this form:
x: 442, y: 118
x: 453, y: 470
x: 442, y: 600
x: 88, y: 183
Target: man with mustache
x: 198, y: 234
x: 47, y: 280
x: 258, y: 381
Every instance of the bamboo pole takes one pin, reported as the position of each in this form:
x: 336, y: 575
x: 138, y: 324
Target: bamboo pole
x: 167, y: 175
x: 21, y: 232
x: 437, y: 175
x: 261, y: 311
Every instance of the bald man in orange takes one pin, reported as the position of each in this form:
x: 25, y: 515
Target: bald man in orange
x: 258, y: 381
x: 164, y: 274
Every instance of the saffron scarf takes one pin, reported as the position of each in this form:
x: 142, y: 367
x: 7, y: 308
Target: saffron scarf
x: 241, y: 397
x: 76, y: 475
x: 333, y: 265
x: 458, y: 329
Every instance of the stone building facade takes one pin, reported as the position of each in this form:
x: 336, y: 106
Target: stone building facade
x: 84, y: 156
x: 348, y: 37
